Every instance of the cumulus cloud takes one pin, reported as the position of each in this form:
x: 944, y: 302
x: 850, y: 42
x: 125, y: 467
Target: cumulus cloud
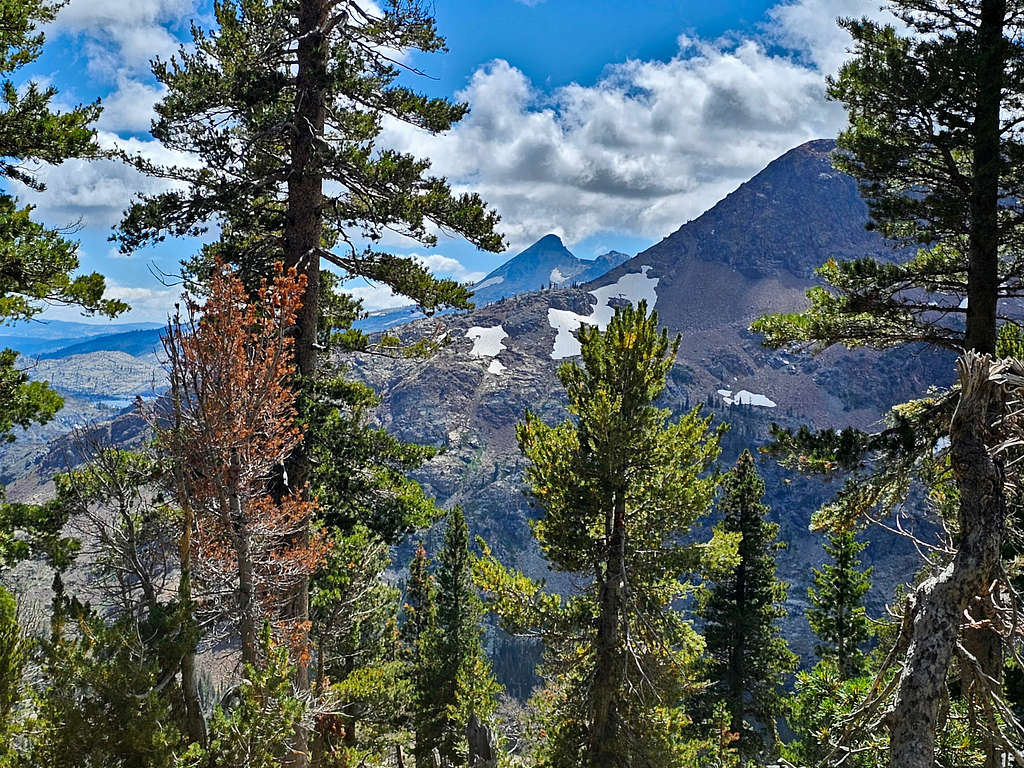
x: 652, y: 144
x: 94, y: 193
x: 121, y: 36
x: 129, y: 109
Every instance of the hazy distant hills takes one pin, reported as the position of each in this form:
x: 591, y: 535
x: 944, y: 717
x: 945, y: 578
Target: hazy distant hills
x: 135, y: 343
x: 544, y: 264
x: 48, y: 336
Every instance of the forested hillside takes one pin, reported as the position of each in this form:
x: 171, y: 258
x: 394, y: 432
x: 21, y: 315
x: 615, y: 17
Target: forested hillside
x: 747, y: 498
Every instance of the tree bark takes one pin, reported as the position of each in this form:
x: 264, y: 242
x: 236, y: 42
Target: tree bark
x: 195, y: 723
x: 303, y: 238
x: 936, y: 608
x: 247, y: 628
x: 736, y: 670
x: 983, y: 265
x: 604, y: 730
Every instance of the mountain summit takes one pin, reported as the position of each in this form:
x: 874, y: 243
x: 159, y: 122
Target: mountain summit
x: 546, y: 262
x: 756, y: 250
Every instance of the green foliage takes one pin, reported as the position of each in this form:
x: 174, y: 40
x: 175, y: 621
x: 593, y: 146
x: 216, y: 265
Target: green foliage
x: 821, y: 708
x: 243, y: 70
x: 615, y: 446
x: 837, y: 615
x: 256, y: 726
x: 98, y: 675
x: 13, y: 656
x: 748, y: 660
x: 452, y: 678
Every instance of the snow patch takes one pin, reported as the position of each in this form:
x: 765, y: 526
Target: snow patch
x: 496, y: 367
x: 486, y: 341
x: 488, y: 282
x: 634, y: 287
x: 743, y: 397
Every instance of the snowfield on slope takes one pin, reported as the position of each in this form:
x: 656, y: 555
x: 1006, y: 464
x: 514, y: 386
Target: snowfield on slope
x: 486, y: 341
x: 634, y: 287
x: 743, y: 397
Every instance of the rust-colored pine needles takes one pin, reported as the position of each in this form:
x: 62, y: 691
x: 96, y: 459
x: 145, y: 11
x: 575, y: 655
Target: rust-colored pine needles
x: 233, y: 424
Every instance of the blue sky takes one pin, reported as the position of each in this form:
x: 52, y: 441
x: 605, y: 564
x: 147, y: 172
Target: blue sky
x: 608, y: 123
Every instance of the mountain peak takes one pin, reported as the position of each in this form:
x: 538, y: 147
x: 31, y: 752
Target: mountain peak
x: 549, y: 241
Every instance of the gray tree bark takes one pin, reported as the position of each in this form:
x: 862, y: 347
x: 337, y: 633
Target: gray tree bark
x: 936, y: 609
x: 604, y: 730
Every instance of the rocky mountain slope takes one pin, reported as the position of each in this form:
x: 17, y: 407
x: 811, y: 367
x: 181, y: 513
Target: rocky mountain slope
x: 752, y: 253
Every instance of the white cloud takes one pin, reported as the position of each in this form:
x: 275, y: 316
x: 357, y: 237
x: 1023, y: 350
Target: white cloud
x: 129, y: 109
x: 96, y: 192
x: 652, y: 144
x: 119, y: 35
x: 445, y: 266
x: 148, y: 304
x: 379, y: 296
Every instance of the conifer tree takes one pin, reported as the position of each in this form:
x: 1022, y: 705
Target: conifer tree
x: 837, y: 613
x: 619, y: 486
x: 935, y: 142
x: 283, y: 106
x: 458, y: 678
x: 749, y: 659
x: 420, y: 619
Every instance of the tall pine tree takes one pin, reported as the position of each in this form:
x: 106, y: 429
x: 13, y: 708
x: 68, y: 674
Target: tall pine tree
x: 749, y: 659
x: 837, y: 613
x: 453, y: 671
x: 282, y: 105
x: 619, y: 486
x: 935, y: 141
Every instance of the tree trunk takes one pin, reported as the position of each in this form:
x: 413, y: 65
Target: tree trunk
x: 983, y: 235
x: 983, y: 264
x: 937, y: 607
x: 736, y: 670
x: 247, y: 628
x: 604, y: 730
x: 303, y: 238
x: 195, y: 723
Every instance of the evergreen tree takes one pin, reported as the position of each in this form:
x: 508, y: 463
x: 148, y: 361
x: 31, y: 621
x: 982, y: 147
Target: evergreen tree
x: 458, y: 678
x: 837, y: 615
x: 749, y: 659
x: 935, y: 142
x: 420, y: 619
x: 619, y: 486
x: 283, y: 106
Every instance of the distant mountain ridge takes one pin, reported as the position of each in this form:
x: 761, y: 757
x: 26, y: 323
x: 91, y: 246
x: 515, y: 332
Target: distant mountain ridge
x: 47, y: 336
x: 545, y: 263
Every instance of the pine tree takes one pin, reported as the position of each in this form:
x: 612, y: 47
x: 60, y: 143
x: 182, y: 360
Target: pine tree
x: 935, y: 143
x: 420, y: 619
x: 837, y: 615
x: 619, y: 486
x: 283, y: 106
x: 458, y: 676
x: 749, y: 659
